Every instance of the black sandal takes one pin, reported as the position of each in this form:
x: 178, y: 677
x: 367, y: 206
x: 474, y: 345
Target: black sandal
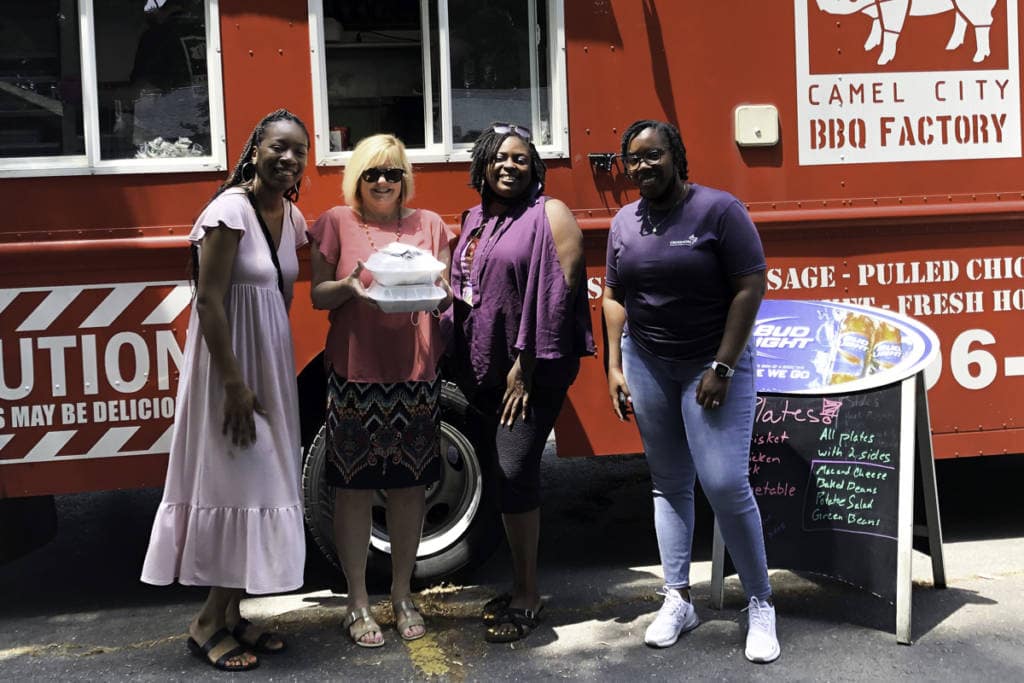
x: 203, y: 652
x: 259, y: 645
x: 494, y: 607
x: 522, y: 620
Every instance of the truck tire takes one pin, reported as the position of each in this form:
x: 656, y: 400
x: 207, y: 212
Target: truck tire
x: 461, y: 526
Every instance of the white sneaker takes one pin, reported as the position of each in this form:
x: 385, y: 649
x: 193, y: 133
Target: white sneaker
x: 676, y: 616
x: 762, y: 644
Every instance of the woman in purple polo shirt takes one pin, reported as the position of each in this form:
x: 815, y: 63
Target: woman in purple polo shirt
x: 686, y: 275
x: 521, y: 325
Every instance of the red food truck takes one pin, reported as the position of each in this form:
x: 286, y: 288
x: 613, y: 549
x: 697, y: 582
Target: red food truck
x: 876, y: 144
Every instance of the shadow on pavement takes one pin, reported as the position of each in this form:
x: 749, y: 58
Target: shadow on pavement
x: 596, y: 517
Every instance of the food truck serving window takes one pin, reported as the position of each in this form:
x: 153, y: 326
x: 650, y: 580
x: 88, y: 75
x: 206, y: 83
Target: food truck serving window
x: 110, y: 86
x: 436, y: 73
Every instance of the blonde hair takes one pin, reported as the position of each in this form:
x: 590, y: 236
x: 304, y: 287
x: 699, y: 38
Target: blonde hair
x: 382, y: 150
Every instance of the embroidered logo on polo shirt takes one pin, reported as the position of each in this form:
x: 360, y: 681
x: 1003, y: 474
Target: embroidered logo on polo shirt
x: 688, y: 242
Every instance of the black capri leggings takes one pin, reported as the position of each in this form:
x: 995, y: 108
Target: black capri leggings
x: 511, y: 457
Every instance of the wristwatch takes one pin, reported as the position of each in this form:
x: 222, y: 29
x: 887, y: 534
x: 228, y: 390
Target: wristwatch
x: 722, y: 370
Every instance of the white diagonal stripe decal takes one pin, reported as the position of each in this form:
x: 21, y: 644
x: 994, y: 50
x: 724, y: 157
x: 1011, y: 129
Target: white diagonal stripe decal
x: 48, y: 446
x: 4, y: 438
x: 113, y: 305
x: 51, y: 307
x: 171, y: 307
x: 6, y: 297
x: 111, y: 442
x: 163, y: 444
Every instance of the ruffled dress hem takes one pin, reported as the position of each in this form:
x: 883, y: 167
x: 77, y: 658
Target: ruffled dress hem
x: 260, y: 550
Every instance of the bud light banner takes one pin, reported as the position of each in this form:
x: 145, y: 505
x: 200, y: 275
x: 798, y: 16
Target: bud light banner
x: 816, y: 347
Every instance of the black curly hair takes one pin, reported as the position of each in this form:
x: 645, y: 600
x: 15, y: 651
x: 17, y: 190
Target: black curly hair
x: 237, y: 176
x: 486, y: 147
x: 671, y: 133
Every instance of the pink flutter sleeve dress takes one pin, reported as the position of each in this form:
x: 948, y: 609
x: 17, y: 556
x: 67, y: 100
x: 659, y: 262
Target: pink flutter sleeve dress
x: 230, y: 516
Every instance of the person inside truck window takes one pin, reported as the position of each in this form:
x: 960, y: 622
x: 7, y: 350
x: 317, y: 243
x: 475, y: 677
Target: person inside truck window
x: 685, y: 277
x: 521, y: 324
x: 383, y: 413
x: 169, y: 76
x: 231, y: 516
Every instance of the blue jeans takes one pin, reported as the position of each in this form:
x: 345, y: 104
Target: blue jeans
x: 682, y: 441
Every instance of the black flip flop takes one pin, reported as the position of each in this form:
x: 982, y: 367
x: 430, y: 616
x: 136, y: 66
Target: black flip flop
x: 203, y: 652
x: 522, y: 620
x: 494, y: 607
x: 260, y: 644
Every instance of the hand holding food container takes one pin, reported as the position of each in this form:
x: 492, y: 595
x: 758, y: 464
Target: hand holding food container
x: 383, y: 377
x: 405, y: 279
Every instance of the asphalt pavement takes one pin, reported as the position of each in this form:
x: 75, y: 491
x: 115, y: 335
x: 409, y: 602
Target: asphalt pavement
x: 75, y: 611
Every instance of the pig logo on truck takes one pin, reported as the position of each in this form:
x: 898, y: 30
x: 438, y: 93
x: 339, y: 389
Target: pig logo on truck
x: 888, y: 17
x: 920, y: 103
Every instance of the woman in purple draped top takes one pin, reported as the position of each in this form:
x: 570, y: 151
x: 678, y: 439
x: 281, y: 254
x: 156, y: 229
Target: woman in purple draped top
x: 521, y: 324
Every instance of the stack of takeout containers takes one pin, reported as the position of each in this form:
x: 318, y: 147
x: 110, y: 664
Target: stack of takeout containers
x: 404, y: 279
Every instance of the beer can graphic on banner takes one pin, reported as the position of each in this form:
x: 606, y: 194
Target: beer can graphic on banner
x: 852, y: 348
x: 827, y: 347
x: 886, y: 348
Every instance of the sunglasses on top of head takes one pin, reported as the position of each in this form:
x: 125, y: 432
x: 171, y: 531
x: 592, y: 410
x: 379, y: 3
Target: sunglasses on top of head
x: 521, y: 131
x: 392, y: 175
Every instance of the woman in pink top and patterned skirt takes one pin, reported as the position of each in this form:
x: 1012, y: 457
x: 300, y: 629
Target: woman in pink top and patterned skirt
x: 383, y: 388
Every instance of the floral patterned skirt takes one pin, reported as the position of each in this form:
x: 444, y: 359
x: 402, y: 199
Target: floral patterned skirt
x: 382, y: 436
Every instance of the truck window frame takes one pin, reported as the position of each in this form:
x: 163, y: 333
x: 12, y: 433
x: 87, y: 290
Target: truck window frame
x: 446, y: 150
x: 92, y: 163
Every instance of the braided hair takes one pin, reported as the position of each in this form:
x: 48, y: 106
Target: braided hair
x: 237, y: 176
x: 486, y: 148
x: 671, y: 133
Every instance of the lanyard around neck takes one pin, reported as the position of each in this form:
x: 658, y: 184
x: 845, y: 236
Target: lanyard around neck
x: 270, y: 240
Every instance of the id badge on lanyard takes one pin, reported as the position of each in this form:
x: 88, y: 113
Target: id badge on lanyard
x: 472, y: 267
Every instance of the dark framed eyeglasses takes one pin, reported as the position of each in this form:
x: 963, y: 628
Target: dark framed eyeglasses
x: 392, y: 175
x: 521, y: 131
x: 652, y: 157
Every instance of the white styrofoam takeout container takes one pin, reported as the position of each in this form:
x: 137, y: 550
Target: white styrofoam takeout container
x: 401, y: 264
x: 406, y: 298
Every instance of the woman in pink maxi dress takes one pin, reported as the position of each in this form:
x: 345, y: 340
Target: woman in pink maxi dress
x: 231, y: 515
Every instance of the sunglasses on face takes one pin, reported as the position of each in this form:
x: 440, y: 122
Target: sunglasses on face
x: 651, y: 156
x: 521, y: 131
x: 392, y: 175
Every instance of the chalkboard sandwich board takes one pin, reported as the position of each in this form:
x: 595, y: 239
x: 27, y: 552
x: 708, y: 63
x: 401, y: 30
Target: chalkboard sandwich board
x: 825, y: 473
x: 841, y: 412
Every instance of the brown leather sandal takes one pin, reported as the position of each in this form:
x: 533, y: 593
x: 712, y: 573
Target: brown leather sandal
x: 225, y: 661
x: 265, y: 642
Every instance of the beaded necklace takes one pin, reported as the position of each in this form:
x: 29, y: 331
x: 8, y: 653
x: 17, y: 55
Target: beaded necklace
x: 366, y: 229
